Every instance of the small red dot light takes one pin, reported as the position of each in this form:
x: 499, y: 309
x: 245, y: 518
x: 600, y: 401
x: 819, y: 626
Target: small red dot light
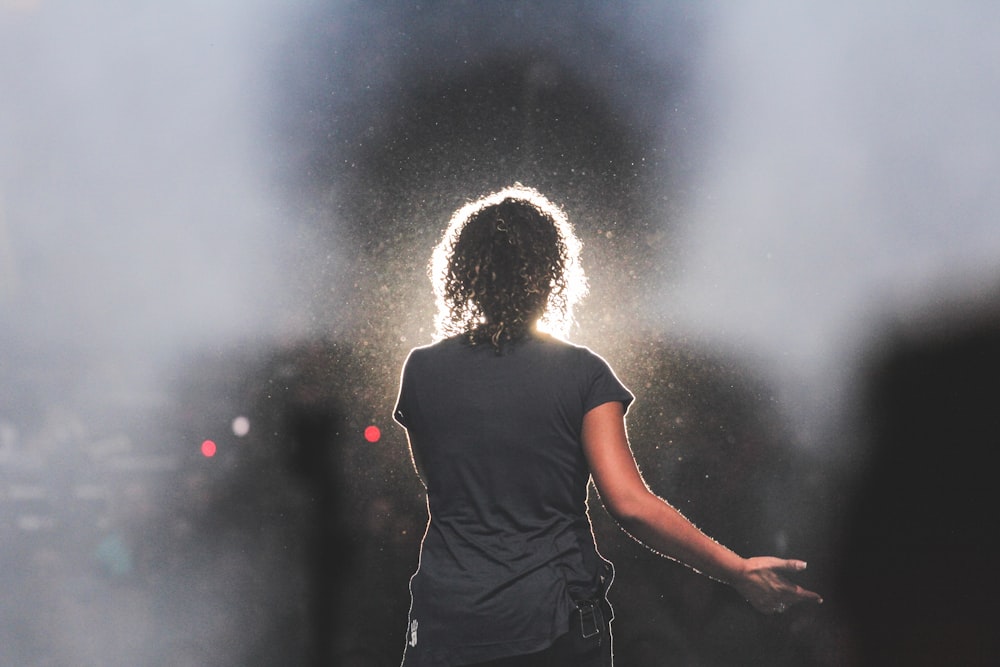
x: 208, y: 448
x: 372, y: 433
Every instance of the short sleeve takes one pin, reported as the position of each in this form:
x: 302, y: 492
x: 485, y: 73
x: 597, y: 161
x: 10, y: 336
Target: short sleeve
x: 603, y: 386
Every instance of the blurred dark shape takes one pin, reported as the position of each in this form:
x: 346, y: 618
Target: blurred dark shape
x: 315, y: 424
x: 302, y: 506
x: 393, y: 109
x: 919, y: 573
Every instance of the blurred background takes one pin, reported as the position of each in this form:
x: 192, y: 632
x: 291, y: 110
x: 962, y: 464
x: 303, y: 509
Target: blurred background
x: 215, y: 219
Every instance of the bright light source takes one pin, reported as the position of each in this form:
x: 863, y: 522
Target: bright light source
x: 208, y: 448
x: 372, y: 433
x: 241, y: 426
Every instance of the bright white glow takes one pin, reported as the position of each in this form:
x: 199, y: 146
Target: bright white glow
x: 848, y: 177
x: 142, y: 218
x: 241, y: 426
x: 555, y: 321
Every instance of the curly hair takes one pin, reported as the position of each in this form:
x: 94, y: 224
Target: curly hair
x: 507, y: 261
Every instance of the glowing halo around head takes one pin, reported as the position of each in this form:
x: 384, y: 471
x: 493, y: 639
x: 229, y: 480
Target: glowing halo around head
x: 558, y: 316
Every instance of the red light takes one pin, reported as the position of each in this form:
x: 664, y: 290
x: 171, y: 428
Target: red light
x: 372, y: 434
x: 208, y: 449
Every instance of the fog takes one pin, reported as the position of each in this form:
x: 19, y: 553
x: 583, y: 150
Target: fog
x: 137, y: 211
x: 200, y: 202
x: 847, y: 180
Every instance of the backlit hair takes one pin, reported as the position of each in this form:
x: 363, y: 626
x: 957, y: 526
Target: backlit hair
x: 506, y: 262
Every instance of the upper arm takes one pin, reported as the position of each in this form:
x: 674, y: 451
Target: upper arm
x: 403, y: 415
x: 418, y: 465
x: 612, y: 465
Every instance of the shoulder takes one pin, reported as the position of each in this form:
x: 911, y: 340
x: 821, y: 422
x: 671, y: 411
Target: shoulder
x: 566, y: 346
x: 434, y: 351
x: 579, y: 355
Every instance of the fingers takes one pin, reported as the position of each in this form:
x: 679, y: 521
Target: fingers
x: 800, y: 594
x: 793, y: 565
x: 767, y: 589
x: 795, y: 596
x: 804, y: 594
x: 780, y: 564
x: 789, y: 593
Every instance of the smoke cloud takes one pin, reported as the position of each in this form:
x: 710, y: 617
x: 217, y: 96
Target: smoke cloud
x: 847, y: 180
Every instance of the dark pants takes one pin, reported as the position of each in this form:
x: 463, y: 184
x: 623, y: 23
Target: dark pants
x: 587, y: 644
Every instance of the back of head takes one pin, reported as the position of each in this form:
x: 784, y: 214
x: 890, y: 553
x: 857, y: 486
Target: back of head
x: 507, y: 261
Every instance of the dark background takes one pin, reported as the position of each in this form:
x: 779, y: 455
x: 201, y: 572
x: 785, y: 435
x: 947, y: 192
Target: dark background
x: 213, y: 211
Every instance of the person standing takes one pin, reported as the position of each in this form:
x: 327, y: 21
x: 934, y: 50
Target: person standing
x: 507, y: 424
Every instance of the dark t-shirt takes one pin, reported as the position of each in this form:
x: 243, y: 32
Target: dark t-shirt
x: 509, y: 544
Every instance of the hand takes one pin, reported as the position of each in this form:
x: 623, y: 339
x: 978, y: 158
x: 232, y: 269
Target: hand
x: 762, y: 584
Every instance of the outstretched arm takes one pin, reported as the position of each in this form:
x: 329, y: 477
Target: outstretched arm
x: 659, y: 525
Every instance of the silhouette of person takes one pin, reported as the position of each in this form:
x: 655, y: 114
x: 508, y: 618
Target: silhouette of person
x: 507, y: 425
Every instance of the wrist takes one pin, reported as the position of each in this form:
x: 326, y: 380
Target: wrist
x: 738, y: 571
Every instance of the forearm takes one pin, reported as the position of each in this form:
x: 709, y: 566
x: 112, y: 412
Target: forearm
x: 660, y: 526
